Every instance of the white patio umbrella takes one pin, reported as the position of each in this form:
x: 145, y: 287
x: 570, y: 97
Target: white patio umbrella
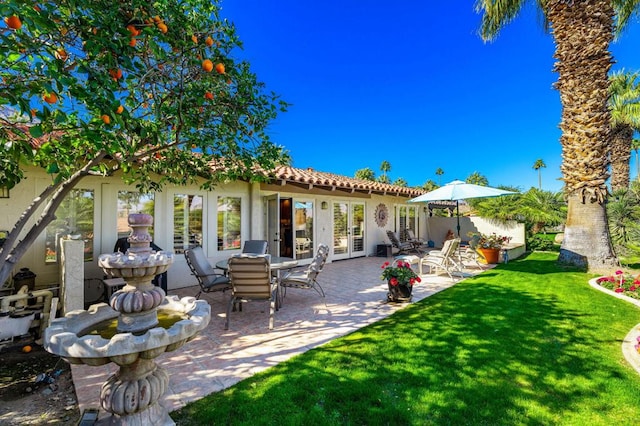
x: 458, y: 190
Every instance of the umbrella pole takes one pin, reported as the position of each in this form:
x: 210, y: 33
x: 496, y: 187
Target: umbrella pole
x: 458, y: 216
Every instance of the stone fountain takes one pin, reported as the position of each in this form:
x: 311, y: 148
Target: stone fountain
x: 128, y: 331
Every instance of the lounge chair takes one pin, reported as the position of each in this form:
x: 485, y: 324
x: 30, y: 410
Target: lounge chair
x: 208, y: 279
x: 418, y: 244
x: 470, y: 254
x: 255, y: 246
x: 399, y: 247
x: 251, y: 279
x: 306, y: 278
x: 444, y: 260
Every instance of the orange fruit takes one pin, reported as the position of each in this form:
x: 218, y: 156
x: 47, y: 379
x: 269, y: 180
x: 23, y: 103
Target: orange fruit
x: 133, y: 30
x: 61, y: 54
x: 26, y: 349
x: 50, y: 98
x: 116, y: 74
x: 163, y: 28
x: 13, y: 22
x: 220, y: 68
x: 207, y: 65
x: 194, y: 39
x: 208, y: 95
x: 209, y: 41
x: 106, y: 119
x: 157, y: 19
x: 119, y: 109
x: 133, y: 42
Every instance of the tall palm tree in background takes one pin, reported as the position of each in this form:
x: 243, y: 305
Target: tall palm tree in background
x: 537, y: 166
x: 477, y: 179
x: 582, y: 31
x: 624, y: 103
x: 439, y: 173
x: 385, y: 168
x: 635, y: 146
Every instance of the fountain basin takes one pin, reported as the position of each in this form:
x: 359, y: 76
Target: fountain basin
x: 67, y: 337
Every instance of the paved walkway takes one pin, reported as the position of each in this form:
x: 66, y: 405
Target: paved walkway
x: 217, y: 359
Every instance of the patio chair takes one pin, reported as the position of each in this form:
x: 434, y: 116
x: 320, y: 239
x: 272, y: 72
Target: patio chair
x: 251, y: 279
x: 418, y: 244
x: 470, y: 254
x: 208, y: 279
x: 444, y: 260
x: 255, y: 246
x: 399, y: 247
x: 307, y: 278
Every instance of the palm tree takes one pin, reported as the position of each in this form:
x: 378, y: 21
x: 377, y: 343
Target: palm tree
x: 635, y: 146
x: 385, y: 167
x: 400, y: 182
x: 439, y: 173
x: 477, y: 179
x: 537, y: 166
x: 582, y: 31
x: 429, y: 185
x: 365, y: 174
x: 624, y: 103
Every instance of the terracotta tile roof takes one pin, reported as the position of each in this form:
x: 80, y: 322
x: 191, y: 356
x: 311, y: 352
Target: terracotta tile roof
x: 314, y: 179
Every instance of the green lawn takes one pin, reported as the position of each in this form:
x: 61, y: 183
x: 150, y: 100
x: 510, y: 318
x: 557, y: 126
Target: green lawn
x: 524, y: 343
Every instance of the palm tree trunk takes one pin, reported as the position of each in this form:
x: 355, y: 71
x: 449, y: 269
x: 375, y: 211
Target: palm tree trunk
x: 621, y: 138
x: 582, y: 30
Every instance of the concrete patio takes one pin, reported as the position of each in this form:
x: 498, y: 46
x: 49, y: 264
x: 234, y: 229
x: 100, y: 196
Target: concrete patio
x: 217, y: 359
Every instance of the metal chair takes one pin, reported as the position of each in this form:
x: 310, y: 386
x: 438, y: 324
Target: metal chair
x: 251, y: 279
x: 307, y: 278
x: 255, y: 246
x: 208, y: 279
x: 399, y: 246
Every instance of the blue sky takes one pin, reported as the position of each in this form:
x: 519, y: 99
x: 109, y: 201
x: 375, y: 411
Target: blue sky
x: 411, y: 83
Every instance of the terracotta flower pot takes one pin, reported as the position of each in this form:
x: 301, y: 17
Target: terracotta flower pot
x: 491, y: 255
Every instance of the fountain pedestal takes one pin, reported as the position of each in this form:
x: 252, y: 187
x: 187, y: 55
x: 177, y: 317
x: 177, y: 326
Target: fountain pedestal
x: 132, y: 394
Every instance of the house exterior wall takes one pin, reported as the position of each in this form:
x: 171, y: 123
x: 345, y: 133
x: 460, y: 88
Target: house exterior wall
x: 253, y: 221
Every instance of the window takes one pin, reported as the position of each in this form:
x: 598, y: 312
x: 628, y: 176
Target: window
x: 187, y: 221
x: 132, y: 202
x: 74, y: 219
x: 229, y: 223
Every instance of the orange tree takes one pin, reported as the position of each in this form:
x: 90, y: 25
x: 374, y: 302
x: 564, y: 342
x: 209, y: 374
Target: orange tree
x: 147, y: 89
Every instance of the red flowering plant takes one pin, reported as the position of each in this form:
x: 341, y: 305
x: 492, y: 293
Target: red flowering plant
x: 622, y: 282
x: 399, y: 273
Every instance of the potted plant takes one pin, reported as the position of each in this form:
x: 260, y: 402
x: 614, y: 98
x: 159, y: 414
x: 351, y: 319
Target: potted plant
x: 400, y: 278
x: 489, y: 246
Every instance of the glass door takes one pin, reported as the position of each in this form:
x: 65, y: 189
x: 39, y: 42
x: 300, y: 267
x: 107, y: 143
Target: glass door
x: 357, y: 225
x: 273, y: 224
x: 348, y: 230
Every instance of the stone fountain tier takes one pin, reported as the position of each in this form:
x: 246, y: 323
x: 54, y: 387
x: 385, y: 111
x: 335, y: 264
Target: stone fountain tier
x: 138, y: 300
x: 67, y: 338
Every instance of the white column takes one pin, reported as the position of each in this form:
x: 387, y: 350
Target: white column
x: 71, y: 275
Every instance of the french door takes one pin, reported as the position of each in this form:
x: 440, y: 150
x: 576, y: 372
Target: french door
x: 348, y: 229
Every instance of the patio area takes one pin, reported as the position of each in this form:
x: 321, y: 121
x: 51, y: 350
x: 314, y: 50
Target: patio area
x: 217, y: 359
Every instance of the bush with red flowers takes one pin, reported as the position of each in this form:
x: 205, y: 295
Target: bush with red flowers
x: 399, y: 273
x: 622, y: 282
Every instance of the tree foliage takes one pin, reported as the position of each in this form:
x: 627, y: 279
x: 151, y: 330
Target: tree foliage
x: 150, y: 89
